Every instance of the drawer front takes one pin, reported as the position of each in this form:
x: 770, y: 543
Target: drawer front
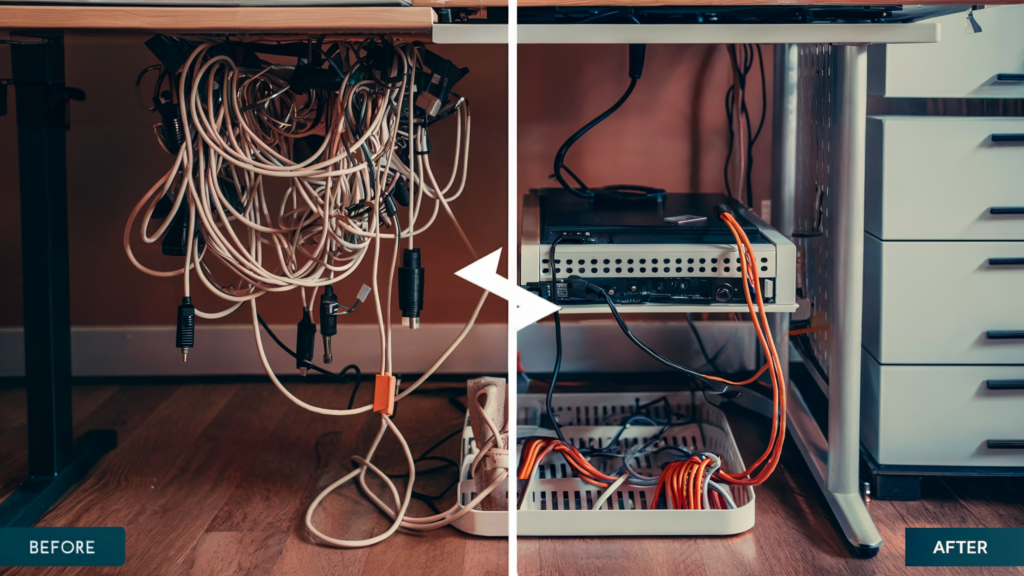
x: 944, y: 178
x: 944, y: 302
x: 943, y: 415
x: 959, y: 65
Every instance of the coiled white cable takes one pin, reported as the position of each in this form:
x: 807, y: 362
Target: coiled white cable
x: 241, y: 126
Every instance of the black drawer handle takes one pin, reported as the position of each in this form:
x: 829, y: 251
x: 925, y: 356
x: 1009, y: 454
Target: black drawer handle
x: 1006, y: 210
x: 1006, y: 444
x: 1008, y: 137
x: 1005, y: 334
x: 1004, y: 384
x: 1009, y: 77
x: 1006, y: 261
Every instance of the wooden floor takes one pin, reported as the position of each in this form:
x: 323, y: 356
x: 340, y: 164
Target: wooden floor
x: 795, y: 532
x: 216, y: 479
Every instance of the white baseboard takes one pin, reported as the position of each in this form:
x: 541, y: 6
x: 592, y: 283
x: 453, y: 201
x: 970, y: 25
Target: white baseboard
x: 589, y: 346
x: 231, y: 350
x: 600, y: 346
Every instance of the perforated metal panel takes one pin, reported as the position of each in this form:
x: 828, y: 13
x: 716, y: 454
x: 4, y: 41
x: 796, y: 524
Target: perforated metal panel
x: 813, y: 201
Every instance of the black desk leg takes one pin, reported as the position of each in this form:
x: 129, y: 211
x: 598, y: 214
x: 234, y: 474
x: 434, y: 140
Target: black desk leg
x: 54, y: 463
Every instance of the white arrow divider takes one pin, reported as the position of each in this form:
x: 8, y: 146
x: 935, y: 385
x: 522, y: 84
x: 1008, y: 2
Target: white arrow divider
x: 529, y: 307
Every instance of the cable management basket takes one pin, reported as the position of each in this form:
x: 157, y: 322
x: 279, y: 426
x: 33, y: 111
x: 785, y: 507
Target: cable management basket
x: 560, y: 504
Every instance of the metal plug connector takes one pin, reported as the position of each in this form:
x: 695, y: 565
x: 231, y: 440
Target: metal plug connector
x: 304, y: 338
x: 410, y: 288
x: 186, y: 329
x: 328, y: 320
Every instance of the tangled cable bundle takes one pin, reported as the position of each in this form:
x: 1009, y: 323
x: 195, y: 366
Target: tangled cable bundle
x: 688, y: 481
x: 346, y: 129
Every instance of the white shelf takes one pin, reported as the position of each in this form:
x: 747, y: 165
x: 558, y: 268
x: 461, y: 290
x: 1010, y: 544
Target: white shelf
x: 729, y: 33
x: 470, y: 34
x: 672, y: 308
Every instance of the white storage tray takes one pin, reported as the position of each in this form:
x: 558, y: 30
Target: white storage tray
x: 558, y: 502
x: 477, y: 522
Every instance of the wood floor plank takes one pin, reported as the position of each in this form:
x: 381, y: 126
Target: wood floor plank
x: 216, y: 480
x: 423, y: 419
x: 220, y: 553
x: 269, y: 500
x: 85, y: 400
x: 124, y: 488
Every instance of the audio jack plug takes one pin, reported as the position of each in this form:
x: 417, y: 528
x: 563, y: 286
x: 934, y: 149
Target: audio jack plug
x: 328, y: 320
x: 305, y: 338
x: 186, y: 332
x: 329, y: 312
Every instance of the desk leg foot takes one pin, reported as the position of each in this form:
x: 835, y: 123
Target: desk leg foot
x: 36, y: 495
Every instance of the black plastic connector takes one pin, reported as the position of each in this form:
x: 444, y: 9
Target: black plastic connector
x: 162, y: 208
x: 175, y: 241
x: 436, y: 86
x: 401, y: 193
x: 579, y: 287
x: 171, y: 131
x: 328, y: 320
x: 390, y: 207
x: 309, y: 77
x: 305, y: 339
x: 410, y: 288
x: 722, y: 209
x: 637, y: 53
x: 185, y: 335
x: 171, y: 52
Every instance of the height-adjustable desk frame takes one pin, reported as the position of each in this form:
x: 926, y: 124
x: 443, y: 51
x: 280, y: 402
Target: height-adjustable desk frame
x: 819, y: 119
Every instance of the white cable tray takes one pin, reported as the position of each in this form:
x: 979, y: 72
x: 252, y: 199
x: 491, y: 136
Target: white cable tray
x: 558, y: 501
x: 477, y: 522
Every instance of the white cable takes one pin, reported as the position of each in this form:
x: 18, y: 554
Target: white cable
x: 611, y: 490
x: 240, y: 126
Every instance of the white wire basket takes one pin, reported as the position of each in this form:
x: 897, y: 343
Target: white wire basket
x: 560, y: 504
x: 477, y: 522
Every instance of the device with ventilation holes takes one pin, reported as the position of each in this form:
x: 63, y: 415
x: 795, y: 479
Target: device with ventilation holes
x: 651, y: 252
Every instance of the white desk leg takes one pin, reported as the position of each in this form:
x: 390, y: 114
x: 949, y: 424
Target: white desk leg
x: 784, y: 143
x: 834, y: 465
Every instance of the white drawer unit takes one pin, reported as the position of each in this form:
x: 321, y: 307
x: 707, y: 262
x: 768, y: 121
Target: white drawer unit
x: 943, y: 415
x: 944, y: 302
x: 945, y: 178
x: 989, y: 64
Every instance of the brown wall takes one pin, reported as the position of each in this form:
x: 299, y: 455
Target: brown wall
x: 113, y: 159
x: 671, y: 133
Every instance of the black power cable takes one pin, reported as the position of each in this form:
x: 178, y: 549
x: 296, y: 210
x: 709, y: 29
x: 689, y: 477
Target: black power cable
x: 711, y: 386
x: 637, y: 53
x: 558, y: 339
x: 742, y: 65
x: 340, y: 375
x: 710, y: 360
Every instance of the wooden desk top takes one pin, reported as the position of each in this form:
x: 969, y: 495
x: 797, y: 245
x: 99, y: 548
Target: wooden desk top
x: 408, y: 20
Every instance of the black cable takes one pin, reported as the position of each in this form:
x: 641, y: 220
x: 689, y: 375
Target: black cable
x: 453, y: 399
x: 753, y: 139
x: 710, y: 360
x: 340, y: 375
x: 441, y: 442
x: 560, y: 156
x: 628, y: 12
x: 732, y: 137
x: 447, y: 463
x: 429, y: 500
x: 645, y: 348
x: 558, y: 337
x: 23, y: 43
